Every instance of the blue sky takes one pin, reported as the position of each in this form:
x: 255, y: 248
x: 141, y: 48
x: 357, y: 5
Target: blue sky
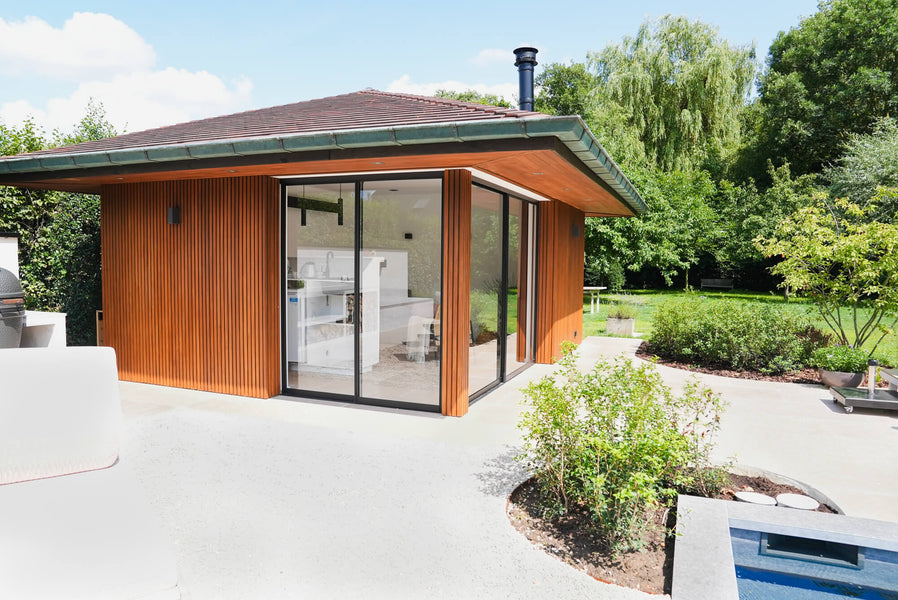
x: 162, y: 62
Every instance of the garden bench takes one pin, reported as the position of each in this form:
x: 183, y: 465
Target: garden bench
x: 723, y: 284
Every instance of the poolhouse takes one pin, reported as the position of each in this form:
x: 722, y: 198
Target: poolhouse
x: 371, y: 247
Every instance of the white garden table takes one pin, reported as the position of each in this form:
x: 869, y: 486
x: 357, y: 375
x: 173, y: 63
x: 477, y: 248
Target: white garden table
x: 593, y: 292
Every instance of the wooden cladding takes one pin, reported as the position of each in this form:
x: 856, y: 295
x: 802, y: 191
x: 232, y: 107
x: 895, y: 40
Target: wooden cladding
x: 456, y: 290
x: 560, y: 279
x: 196, y: 304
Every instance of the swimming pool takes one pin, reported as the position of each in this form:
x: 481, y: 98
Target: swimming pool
x: 739, y: 551
x: 772, y: 566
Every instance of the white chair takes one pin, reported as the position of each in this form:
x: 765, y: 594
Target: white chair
x: 74, y: 522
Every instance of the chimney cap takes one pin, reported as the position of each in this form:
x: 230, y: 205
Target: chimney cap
x: 525, y: 54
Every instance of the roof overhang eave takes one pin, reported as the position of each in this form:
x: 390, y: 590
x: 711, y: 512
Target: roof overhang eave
x: 570, y: 131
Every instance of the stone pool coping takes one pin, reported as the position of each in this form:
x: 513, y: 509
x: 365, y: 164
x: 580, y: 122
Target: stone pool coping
x: 703, y: 555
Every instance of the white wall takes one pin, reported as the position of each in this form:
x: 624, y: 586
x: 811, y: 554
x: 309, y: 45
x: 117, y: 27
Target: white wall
x: 9, y: 254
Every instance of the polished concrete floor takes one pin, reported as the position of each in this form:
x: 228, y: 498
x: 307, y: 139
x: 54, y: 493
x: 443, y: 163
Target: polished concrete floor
x: 288, y: 498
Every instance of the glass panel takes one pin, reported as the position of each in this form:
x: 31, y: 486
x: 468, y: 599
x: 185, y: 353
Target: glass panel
x: 518, y: 348
x: 486, y: 284
x: 400, y: 285
x: 320, y: 247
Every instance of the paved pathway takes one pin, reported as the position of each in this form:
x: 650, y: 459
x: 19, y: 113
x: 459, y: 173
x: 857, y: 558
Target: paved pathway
x: 300, y: 499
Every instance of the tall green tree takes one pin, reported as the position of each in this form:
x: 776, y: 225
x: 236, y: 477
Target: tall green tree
x: 681, y: 87
x: 834, y: 74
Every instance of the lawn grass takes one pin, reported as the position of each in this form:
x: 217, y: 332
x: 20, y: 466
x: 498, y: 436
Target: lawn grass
x: 649, y: 300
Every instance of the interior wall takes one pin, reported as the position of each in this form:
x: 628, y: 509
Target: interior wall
x: 194, y: 305
x: 559, y: 288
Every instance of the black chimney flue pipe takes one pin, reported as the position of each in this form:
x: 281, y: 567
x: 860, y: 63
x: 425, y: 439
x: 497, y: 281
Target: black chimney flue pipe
x: 525, y: 61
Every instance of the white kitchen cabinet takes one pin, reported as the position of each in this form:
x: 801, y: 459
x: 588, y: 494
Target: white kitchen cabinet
x: 322, y: 312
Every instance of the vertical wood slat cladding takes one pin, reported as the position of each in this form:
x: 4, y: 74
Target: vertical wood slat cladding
x: 456, y: 291
x: 560, y: 276
x: 194, y: 305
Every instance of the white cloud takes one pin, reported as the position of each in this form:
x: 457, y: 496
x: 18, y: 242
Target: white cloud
x: 489, y: 56
x: 404, y: 84
x: 88, y: 46
x: 140, y: 100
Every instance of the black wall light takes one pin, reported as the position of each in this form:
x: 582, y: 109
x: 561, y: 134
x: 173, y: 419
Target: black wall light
x: 173, y: 217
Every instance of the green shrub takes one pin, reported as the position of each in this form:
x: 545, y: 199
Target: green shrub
x: 841, y: 358
x: 735, y: 335
x: 617, y: 442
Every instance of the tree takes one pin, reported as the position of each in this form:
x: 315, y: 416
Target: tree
x: 59, y: 233
x: 671, y: 236
x: 681, y: 87
x: 870, y: 163
x: 832, y: 75
x: 474, y: 96
x: 846, y: 264
x: 566, y: 90
x: 744, y: 212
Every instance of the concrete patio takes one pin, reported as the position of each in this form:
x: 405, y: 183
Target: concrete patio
x: 301, y: 499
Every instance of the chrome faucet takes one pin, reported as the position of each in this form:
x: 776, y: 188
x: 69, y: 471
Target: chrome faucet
x: 327, y: 263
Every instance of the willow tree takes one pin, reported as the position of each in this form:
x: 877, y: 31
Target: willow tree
x: 681, y: 87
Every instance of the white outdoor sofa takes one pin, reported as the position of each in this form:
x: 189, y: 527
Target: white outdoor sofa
x: 74, y: 522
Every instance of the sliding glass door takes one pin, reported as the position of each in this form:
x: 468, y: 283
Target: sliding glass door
x: 362, y: 273
x: 320, y: 284
x: 502, y: 283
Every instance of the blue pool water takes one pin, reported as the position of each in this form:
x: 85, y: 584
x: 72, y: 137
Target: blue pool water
x: 766, y: 585
x: 792, y: 567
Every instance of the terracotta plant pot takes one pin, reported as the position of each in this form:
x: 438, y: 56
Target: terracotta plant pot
x: 840, y: 378
x: 619, y: 326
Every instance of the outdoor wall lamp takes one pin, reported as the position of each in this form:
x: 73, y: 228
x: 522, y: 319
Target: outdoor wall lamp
x: 173, y: 216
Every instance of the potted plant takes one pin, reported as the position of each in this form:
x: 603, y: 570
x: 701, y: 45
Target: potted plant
x: 621, y: 318
x: 841, y: 366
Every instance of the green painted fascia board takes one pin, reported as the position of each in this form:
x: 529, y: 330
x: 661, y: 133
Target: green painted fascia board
x: 214, y: 150
x: 258, y: 146
x: 426, y: 134
x: 165, y: 153
x: 25, y: 165
x: 490, y: 130
x: 95, y: 159
x: 570, y: 130
x: 316, y: 141
x: 57, y: 162
x: 361, y: 138
x: 567, y: 129
x: 128, y: 157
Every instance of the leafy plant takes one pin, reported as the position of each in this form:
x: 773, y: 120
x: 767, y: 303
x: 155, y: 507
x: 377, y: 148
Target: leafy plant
x: 59, y: 233
x: 841, y: 358
x: 723, y: 333
x: 618, y: 442
x: 623, y: 307
x: 845, y: 263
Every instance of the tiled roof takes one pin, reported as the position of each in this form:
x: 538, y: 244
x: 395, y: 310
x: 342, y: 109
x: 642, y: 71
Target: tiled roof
x: 359, y: 110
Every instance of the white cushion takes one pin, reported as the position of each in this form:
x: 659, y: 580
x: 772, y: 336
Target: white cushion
x: 60, y: 411
x: 90, y: 536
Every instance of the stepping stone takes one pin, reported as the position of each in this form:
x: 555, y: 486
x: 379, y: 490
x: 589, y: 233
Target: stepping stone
x: 798, y: 501
x: 755, y: 498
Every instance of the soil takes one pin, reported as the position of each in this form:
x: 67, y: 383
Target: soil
x: 806, y: 375
x: 570, y: 539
